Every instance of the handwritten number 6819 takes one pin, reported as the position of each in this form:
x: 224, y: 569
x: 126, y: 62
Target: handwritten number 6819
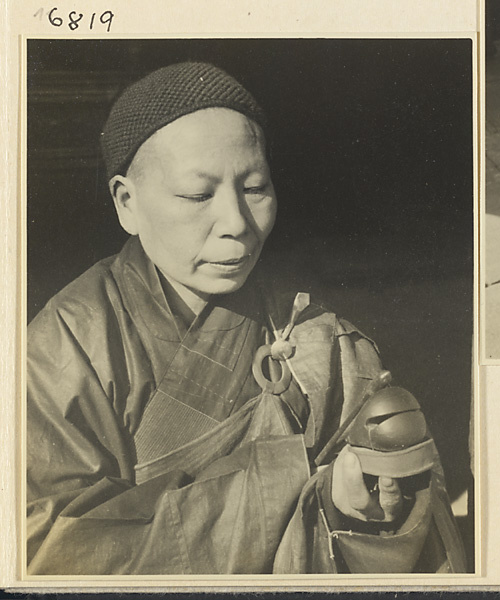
x: 75, y: 19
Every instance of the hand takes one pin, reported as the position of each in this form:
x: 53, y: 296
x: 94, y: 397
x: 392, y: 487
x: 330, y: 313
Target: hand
x: 351, y: 497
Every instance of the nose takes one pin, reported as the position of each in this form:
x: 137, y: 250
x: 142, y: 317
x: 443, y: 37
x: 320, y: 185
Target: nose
x: 230, y: 214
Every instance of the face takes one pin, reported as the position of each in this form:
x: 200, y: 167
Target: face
x: 200, y: 197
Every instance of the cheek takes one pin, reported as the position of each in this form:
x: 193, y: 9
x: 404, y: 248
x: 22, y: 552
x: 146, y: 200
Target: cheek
x: 156, y: 232
x: 265, y: 216
x: 181, y: 240
x: 160, y: 222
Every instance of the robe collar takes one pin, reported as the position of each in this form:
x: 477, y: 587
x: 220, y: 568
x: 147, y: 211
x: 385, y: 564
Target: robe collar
x: 149, y: 304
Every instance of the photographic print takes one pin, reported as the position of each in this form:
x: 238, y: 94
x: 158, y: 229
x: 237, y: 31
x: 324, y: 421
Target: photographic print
x: 250, y: 268
x: 491, y: 227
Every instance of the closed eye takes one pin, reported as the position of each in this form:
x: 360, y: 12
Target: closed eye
x: 195, y: 197
x: 255, y: 189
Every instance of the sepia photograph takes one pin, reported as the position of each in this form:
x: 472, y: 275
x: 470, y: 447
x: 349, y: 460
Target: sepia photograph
x: 250, y: 306
x: 491, y: 221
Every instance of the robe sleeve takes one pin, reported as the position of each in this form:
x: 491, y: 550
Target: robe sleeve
x: 74, y: 438
x: 319, y: 539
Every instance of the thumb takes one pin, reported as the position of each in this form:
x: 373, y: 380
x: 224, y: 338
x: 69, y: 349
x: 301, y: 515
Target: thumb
x: 357, y: 493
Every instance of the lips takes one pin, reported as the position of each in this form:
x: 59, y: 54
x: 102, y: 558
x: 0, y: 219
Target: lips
x: 229, y: 265
x: 230, y: 261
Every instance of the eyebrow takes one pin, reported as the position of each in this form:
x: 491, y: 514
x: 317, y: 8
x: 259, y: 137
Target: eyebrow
x: 202, y: 174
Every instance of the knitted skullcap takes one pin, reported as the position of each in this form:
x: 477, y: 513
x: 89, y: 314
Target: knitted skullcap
x: 163, y: 96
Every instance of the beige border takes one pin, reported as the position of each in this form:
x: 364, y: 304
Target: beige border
x: 345, y: 18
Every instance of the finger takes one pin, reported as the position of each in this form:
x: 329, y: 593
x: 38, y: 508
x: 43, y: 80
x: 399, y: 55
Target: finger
x: 359, y: 497
x: 390, y: 497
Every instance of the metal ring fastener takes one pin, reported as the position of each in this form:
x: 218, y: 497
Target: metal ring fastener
x: 282, y: 349
x: 273, y: 387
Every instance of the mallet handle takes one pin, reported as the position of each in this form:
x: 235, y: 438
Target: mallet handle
x: 382, y: 380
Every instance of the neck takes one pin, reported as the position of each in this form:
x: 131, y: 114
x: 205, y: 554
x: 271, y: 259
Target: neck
x: 184, y: 302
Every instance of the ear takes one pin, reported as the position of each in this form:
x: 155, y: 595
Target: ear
x: 123, y: 191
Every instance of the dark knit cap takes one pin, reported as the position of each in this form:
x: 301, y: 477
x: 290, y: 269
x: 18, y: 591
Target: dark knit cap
x: 163, y: 96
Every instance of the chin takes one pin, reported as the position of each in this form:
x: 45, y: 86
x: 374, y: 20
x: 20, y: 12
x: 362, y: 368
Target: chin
x: 226, y: 286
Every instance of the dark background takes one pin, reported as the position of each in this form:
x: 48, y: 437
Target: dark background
x: 372, y: 163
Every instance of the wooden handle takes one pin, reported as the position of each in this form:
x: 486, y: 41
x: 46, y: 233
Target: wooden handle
x: 382, y: 380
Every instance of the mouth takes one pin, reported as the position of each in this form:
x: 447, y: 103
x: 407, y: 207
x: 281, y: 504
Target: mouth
x: 230, y: 264
x: 231, y: 261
